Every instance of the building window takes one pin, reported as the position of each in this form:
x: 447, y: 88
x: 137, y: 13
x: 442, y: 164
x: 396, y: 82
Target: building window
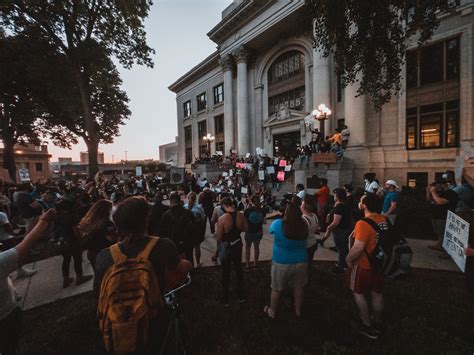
x: 202, y: 129
x: 433, y: 126
x: 292, y: 99
x: 341, y: 123
x: 39, y: 166
x: 188, y: 144
x: 339, y: 88
x: 220, y: 146
x: 218, y: 94
x: 434, y: 63
x: 202, y: 150
x: 201, y: 101
x: 219, y: 132
x: 187, y: 108
x: 286, y: 66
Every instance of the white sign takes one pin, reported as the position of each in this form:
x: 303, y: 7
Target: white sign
x: 247, y: 155
x: 24, y: 175
x: 275, y: 161
x: 458, y: 166
x: 261, y: 175
x: 244, y: 190
x: 271, y: 169
x: 219, y: 152
x: 138, y: 170
x: 456, y: 236
x: 231, y: 172
x: 229, y: 183
x: 258, y: 150
x: 224, y: 174
x: 288, y: 168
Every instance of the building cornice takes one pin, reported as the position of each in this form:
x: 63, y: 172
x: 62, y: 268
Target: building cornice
x: 211, y: 62
x: 238, y: 17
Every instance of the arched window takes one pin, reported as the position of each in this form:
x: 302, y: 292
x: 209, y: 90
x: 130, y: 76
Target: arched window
x: 286, y: 83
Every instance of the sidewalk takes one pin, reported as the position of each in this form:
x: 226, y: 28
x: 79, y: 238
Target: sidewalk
x: 46, y: 285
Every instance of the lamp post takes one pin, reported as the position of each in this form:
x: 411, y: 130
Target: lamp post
x: 208, y: 138
x: 322, y: 113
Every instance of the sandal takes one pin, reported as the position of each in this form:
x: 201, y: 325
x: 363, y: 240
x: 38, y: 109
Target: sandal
x: 267, y: 310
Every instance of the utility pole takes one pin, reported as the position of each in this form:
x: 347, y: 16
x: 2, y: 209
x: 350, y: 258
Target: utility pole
x: 126, y: 155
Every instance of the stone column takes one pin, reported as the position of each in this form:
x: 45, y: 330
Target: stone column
x: 321, y: 86
x: 227, y: 64
x: 354, y: 108
x: 258, y: 116
x: 243, y: 133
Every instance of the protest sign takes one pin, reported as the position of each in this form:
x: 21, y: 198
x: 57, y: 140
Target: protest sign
x: 176, y: 175
x: 229, y: 183
x: 261, y: 175
x: 231, y: 191
x: 271, y: 169
x: 224, y: 174
x: 244, y: 190
x: 240, y: 165
x: 219, y: 152
x: 281, y: 176
x: 282, y: 163
x: 258, y: 151
x: 231, y: 172
x: 24, y: 175
x: 247, y: 155
x: 138, y: 170
x: 456, y: 236
x: 288, y: 168
x: 275, y: 161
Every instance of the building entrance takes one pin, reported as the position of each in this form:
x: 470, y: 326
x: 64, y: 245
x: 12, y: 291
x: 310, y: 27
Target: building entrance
x: 286, y: 144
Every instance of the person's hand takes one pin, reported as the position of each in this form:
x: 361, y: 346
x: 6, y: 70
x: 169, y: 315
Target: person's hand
x: 326, y: 235
x: 469, y: 252
x: 349, y: 263
x: 48, y: 215
x: 432, y: 189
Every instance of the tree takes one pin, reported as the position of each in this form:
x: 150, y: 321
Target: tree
x: 79, y: 30
x: 370, y: 37
x: 20, y: 111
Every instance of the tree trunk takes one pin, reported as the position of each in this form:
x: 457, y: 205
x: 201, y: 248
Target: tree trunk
x: 9, y: 158
x: 92, y: 150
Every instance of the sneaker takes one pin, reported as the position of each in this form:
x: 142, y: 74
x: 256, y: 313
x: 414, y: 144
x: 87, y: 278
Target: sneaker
x: 67, y: 281
x: 369, y: 332
x: 81, y: 279
x: 22, y: 272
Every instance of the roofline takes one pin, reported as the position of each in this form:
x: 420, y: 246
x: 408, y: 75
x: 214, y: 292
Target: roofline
x: 211, y: 62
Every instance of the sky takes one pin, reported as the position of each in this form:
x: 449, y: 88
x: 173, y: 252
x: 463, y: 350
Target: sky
x: 176, y: 29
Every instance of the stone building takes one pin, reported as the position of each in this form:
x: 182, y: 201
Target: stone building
x: 169, y: 152
x: 34, y: 158
x: 265, y: 77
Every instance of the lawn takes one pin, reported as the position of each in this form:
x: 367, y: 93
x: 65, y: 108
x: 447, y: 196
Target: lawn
x: 427, y: 313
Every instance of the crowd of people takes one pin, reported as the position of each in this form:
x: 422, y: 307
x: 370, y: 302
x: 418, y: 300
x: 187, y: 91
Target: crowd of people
x: 115, y: 221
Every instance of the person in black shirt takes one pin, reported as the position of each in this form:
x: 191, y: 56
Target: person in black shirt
x: 156, y: 212
x: 255, y: 218
x: 442, y: 200
x: 341, y: 227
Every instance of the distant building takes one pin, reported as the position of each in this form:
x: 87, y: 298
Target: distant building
x: 169, y: 152
x: 33, y: 158
x: 84, y: 158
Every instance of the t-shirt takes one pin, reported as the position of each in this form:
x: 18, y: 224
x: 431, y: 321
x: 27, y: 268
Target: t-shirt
x: 8, y: 264
x: 391, y: 196
x: 465, y: 194
x: 344, y: 211
x: 365, y: 233
x: 337, y: 138
x: 441, y: 211
x: 322, y: 195
x: 286, y: 251
x: 162, y: 257
x: 301, y: 194
x: 4, y: 221
x: 345, y: 134
x: 313, y: 226
x: 371, y: 186
x: 254, y: 218
x: 22, y: 201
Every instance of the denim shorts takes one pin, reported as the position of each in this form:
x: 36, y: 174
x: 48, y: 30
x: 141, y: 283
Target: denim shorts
x: 253, y: 237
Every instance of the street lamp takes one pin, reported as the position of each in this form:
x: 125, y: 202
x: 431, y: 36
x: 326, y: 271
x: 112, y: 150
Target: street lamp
x: 322, y: 113
x: 208, y: 138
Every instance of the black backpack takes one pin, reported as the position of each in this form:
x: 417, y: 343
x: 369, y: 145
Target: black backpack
x: 387, y: 237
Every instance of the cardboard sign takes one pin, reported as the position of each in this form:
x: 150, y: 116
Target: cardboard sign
x: 261, y: 175
x: 247, y: 155
x: 219, y: 152
x: 325, y: 158
x: 244, y: 190
x: 456, y: 236
x: 288, y: 168
x: 271, y: 169
x: 282, y: 163
x: 281, y: 176
x: 248, y: 166
x: 24, y: 175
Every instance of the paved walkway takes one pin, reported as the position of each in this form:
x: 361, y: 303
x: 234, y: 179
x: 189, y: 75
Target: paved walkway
x: 46, y: 285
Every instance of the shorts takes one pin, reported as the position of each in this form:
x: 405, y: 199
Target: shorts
x: 253, y: 237
x: 286, y: 276
x: 363, y: 281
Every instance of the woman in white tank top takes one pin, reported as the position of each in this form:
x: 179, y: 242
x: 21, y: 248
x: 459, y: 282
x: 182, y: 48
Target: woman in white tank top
x: 307, y: 208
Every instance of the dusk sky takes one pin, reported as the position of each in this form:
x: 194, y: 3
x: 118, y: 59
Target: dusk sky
x: 176, y: 29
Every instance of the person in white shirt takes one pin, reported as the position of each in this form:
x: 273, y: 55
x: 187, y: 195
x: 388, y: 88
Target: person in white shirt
x: 345, y: 136
x: 308, y: 207
x: 371, y: 183
x: 300, y: 191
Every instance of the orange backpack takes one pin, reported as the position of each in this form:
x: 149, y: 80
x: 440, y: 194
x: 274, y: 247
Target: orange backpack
x: 130, y: 298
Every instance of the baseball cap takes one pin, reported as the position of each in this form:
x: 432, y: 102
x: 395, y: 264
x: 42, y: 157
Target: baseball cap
x: 392, y: 182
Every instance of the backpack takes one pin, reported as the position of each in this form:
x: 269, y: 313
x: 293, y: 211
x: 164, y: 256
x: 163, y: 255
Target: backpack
x: 130, y: 298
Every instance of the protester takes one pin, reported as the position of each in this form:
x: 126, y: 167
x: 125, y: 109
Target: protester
x: 216, y: 214
x: 177, y: 224
x: 345, y: 136
x: 390, y: 201
x: 66, y: 220
x: 466, y: 196
x: 96, y: 230
x: 341, y: 227
x: 371, y: 183
x: 229, y: 227
x: 307, y: 209
x: 156, y: 212
x: 255, y: 217
x: 300, y: 191
x: 206, y: 200
x: 10, y: 309
x: 442, y: 200
x: 131, y: 219
x: 199, y: 228
x: 28, y: 207
x: 363, y: 279
x: 289, y: 260
x: 322, y: 196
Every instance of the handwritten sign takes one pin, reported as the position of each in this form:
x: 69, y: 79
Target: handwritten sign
x: 275, y: 161
x: 244, y: 190
x: 258, y: 150
x: 261, y: 175
x: 288, y: 168
x: 325, y: 158
x: 271, y: 169
x: 219, y: 152
x: 247, y: 155
x: 231, y: 172
x: 456, y: 236
x: 281, y: 176
x: 282, y: 163
x: 225, y: 173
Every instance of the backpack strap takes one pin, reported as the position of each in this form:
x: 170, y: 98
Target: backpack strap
x: 144, y: 255
x: 371, y: 222
x: 117, y: 255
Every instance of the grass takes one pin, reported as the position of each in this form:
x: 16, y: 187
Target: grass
x: 427, y: 313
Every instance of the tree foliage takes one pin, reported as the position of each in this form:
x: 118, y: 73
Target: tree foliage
x: 88, y: 33
x: 371, y: 37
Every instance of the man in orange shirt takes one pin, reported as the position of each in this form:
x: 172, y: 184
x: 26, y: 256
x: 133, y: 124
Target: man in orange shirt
x: 322, y: 196
x: 363, y: 279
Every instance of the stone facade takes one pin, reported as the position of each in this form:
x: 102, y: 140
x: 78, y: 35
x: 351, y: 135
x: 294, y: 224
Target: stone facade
x: 254, y: 35
x: 169, y: 152
x: 31, y: 157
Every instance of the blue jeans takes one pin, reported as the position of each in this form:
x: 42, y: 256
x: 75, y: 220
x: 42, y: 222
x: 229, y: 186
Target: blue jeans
x: 341, y: 239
